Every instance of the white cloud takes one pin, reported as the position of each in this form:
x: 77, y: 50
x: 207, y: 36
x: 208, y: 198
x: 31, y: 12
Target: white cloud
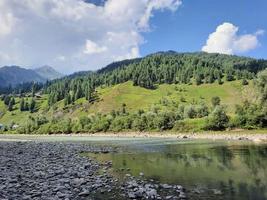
x: 227, y: 41
x: 260, y: 32
x: 156, y: 5
x: 134, y: 53
x: 6, y: 20
x: 65, y: 33
x: 60, y: 58
x: 93, y: 48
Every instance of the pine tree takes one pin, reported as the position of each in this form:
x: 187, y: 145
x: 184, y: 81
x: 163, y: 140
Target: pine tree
x: 26, y: 106
x: 13, y: 101
x: 11, y: 104
x: 33, y: 89
x: 32, y: 105
x: 198, y: 79
x: 123, y: 108
x: 7, y: 100
x: 22, y: 104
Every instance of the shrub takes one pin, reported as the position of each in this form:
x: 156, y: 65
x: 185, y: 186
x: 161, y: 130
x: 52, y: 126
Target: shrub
x: 215, y: 101
x: 189, y: 112
x: 151, y: 120
x: 120, y: 123
x: 165, y: 121
x: 202, y: 111
x: 77, y: 127
x: 99, y: 125
x: 44, y: 129
x: 139, y: 124
x: 251, y: 116
x: 84, y: 121
x: 189, y: 125
x: 218, y: 120
x: 244, y: 82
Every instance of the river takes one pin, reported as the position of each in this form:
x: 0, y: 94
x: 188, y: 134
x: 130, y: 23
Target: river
x: 209, y: 169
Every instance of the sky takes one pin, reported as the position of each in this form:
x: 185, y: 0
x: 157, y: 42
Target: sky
x: 77, y: 35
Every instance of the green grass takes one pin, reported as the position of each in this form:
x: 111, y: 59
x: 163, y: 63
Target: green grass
x: 112, y: 98
x: 141, y: 98
x: 19, y: 117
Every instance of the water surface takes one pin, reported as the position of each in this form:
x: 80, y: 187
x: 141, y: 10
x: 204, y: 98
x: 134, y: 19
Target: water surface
x: 209, y: 169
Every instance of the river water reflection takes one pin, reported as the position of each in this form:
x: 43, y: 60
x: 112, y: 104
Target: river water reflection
x: 210, y: 170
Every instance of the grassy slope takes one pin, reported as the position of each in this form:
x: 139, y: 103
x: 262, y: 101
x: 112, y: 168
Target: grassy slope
x: 111, y: 98
x: 19, y: 117
x: 137, y: 97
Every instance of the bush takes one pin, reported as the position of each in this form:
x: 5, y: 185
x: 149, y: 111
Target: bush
x: 100, y: 125
x: 44, y: 129
x: 84, y: 121
x: 189, y: 125
x: 120, y: 123
x: 250, y: 116
x: 139, y: 124
x: 165, y: 121
x: 244, y: 82
x: 189, y: 112
x: 218, y: 120
x: 151, y: 120
x: 215, y: 101
x: 202, y: 111
x: 77, y: 127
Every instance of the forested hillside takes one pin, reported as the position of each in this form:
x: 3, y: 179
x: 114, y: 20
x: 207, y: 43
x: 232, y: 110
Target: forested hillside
x: 163, y: 91
x: 160, y: 68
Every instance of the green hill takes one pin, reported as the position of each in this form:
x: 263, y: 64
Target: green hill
x: 135, y: 98
x: 163, y: 91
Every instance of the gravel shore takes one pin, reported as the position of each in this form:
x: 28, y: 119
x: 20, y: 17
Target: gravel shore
x: 255, y: 136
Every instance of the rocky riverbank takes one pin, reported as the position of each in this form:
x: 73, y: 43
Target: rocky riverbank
x: 54, y: 170
x: 257, y: 136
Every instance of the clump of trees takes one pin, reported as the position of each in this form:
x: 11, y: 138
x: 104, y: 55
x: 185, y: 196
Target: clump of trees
x: 27, y: 106
x: 9, y: 101
x: 155, y: 119
x: 250, y: 116
x: 254, y: 115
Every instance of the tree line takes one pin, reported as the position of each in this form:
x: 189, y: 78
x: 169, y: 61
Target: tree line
x: 169, y: 68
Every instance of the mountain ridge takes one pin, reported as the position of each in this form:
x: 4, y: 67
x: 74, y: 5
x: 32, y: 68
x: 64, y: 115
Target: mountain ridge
x: 14, y: 75
x: 48, y: 72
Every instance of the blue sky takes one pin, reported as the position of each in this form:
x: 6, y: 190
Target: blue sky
x: 76, y: 35
x: 188, y: 28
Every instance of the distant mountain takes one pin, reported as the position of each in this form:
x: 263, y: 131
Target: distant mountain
x: 48, y: 73
x: 14, y: 75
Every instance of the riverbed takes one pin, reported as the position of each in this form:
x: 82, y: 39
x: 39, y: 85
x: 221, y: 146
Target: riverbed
x: 206, y: 169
